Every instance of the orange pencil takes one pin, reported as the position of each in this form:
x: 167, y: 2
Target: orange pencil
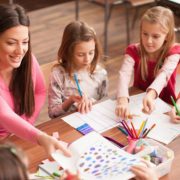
x: 149, y: 130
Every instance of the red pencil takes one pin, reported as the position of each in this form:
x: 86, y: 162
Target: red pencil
x: 134, y: 130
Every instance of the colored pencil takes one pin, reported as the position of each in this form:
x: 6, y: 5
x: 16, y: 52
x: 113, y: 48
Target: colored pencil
x: 77, y: 83
x: 123, y: 130
x: 140, y: 129
x: 134, y: 130
x: 149, y: 130
x: 129, y: 130
x: 144, y: 125
x: 175, y: 105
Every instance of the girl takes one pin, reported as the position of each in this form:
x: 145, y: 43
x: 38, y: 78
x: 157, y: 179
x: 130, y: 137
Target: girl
x: 13, y: 163
x: 78, y: 56
x: 154, y: 61
x: 22, y: 89
x: 174, y: 117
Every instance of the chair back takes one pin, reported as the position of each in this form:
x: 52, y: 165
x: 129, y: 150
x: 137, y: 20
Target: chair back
x: 46, y: 70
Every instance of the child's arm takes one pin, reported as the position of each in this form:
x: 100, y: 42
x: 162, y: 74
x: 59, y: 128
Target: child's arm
x: 165, y: 73
x: 174, y: 117
x: 125, y: 74
x: 160, y: 81
x: 148, y: 101
x: 58, y: 102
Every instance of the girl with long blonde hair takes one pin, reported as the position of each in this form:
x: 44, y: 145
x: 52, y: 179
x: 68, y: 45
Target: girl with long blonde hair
x: 154, y: 61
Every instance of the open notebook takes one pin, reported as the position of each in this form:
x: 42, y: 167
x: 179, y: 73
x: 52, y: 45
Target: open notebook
x: 97, y: 158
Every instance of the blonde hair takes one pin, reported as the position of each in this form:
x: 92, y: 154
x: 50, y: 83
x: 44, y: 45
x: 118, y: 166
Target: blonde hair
x: 164, y: 17
x: 74, y: 33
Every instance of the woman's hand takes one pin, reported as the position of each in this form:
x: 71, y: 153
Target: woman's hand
x: 122, y: 108
x: 85, y: 105
x: 51, y: 144
x: 174, y: 117
x: 149, y: 101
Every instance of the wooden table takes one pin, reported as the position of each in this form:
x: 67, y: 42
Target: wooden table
x: 36, y: 153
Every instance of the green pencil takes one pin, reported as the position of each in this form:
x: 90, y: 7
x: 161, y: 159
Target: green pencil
x: 175, y: 105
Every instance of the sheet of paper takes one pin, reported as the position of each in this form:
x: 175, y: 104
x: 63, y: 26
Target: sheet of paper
x: 101, y: 118
x: 164, y: 131
x: 136, y: 105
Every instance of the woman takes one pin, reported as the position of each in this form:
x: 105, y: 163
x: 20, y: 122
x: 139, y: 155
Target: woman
x: 22, y: 88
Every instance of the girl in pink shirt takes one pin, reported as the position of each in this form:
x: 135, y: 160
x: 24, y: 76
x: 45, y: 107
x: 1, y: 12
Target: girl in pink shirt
x: 22, y: 88
x: 154, y: 61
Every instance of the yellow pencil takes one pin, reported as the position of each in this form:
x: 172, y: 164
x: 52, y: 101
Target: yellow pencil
x: 141, y: 127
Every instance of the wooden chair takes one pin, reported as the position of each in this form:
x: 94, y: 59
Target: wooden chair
x: 46, y: 70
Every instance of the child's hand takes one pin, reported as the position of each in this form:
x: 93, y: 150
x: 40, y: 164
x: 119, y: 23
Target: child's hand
x: 144, y: 172
x: 85, y: 105
x: 75, y: 99
x: 69, y: 176
x: 122, y: 108
x: 148, y: 102
x: 174, y: 117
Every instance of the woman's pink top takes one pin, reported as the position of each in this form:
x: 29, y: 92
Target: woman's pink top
x: 21, y: 126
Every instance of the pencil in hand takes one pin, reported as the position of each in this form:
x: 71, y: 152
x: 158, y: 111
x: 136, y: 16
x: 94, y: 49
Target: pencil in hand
x: 175, y: 105
x: 77, y: 84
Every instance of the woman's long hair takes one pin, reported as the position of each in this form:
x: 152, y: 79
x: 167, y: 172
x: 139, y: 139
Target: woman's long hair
x: 21, y: 84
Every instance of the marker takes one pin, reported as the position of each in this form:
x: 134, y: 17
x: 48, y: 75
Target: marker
x: 175, y: 105
x: 77, y: 83
x: 56, y: 174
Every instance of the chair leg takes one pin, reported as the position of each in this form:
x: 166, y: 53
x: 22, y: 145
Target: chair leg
x: 127, y: 24
x: 106, y: 15
x: 77, y: 10
x: 136, y: 14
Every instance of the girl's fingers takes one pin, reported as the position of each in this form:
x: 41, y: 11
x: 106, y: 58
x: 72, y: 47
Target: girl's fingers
x: 138, y: 172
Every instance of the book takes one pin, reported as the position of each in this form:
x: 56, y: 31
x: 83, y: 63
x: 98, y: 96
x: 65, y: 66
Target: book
x: 94, y: 157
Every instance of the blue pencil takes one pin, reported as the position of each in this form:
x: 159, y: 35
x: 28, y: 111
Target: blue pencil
x: 77, y: 83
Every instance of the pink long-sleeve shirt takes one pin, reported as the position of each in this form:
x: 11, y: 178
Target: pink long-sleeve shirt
x: 22, y: 126
x: 130, y: 65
